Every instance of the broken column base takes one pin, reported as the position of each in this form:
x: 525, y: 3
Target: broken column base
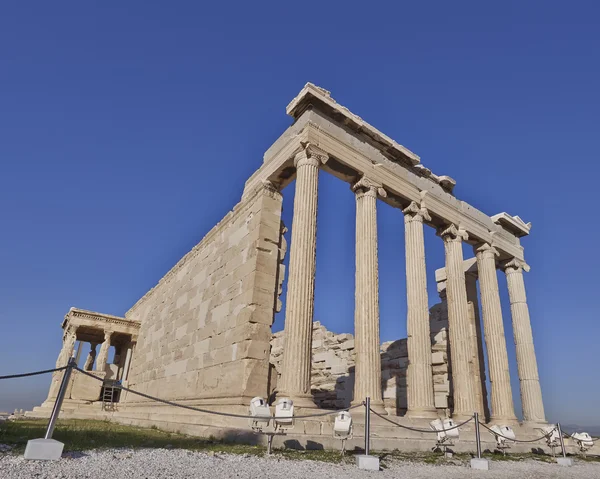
x: 44, y: 449
x: 480, y: 464
x: 368, y: 463
x: 564, y: 461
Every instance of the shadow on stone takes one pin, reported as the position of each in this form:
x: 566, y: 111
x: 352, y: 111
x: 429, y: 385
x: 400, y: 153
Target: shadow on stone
x: 293, y: 444
x: 314, y: 446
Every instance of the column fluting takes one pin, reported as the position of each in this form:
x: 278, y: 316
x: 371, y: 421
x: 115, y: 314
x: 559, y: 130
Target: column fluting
x: 531, y: 392
x: 367, y: 374
x: 420, y: 396
x: 501, y: 392
x: 295, y: 375
x: 458, y: 323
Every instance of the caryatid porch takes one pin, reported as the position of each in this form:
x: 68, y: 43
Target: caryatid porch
x: 101, y: 331
x: 379, y: 168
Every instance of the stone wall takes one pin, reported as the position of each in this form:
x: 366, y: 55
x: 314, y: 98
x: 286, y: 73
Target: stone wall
x: 206, y: 326
x: 333, y: 359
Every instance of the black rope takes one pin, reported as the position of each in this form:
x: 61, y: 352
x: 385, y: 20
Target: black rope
x: 206, y: 411
x: 24, y: 375
x: 518, y: 440
x: 420, y: 430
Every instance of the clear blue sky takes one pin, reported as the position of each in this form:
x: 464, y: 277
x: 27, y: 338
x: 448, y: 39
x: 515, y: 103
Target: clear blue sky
x: 127, y: 131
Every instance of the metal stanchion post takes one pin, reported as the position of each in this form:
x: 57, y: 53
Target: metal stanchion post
x: 366, y: 461
x: 47, y: 448
x: 367, y: 425
x: 477, y: 435
x: 478, y: 462
x: 59, y: 398
x: 562, y: 441
x: 564, y: 460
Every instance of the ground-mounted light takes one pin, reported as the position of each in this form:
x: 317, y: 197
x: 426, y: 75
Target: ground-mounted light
x: 552, y: 437
x: 284, y: 414
x: 261, y: 414
x: 583, y: 440
x: 447, y: 432
x: 342, y: 428
x: 504, y: 437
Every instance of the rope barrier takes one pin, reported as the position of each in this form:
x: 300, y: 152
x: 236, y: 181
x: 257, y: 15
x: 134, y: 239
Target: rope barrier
x: 593, y: 440
x: 420, y: 430
x: 24, y: 375
x: 206, y: 411
x: 517, y: 440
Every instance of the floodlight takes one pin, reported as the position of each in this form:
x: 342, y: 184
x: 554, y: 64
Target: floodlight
x: 504, y: 434
x: 446, y: 432
x: 552, y: 437
x: 584, y: 441
x: 342, y: 427
x: 284, y: 414
x: 260, y: 412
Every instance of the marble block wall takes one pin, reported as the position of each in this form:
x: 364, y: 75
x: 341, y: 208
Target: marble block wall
x: 206, y: 326
x: 333, y: 357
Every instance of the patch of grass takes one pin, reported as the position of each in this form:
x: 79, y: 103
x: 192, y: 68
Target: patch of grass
x: 79, y: 435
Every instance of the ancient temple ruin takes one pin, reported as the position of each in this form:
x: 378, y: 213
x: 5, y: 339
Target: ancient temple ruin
x: 202, y: 336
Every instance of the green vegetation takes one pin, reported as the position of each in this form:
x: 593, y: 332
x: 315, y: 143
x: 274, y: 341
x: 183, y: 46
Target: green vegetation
x: 81, y: 435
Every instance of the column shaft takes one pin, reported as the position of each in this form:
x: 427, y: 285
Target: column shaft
x: 501, y: 393
x: 461, y: 351
x: 420, y: 395
x: 101, y: 362
x: 297, y: 358
x: 477, y: 346
x: 89, y: 362
x: 531, y: 392
x: 367, y: 375
x: 68, y: 347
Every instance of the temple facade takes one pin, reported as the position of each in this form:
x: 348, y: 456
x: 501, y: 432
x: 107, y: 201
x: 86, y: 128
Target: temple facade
x: 202, y: 336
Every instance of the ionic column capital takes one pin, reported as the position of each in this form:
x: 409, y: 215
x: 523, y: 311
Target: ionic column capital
x: 452, y: 233
x: 367, y: 187
x: 310, y: 156
x: 485, y: 250
x: 415, y: 212
x: 515, y: 265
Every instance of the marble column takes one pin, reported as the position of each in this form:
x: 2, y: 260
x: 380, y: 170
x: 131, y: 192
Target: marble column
x: 297, y: 354
x: 367, y: 374
x: 420, y: 395
x: 101, y: 362
x: 477, y: 345
x: 461, y: 350
x: 68, y: 347
x: 89, y: 361
x: 501, y: 394
x: 531, y: 392
x: 66, y: 352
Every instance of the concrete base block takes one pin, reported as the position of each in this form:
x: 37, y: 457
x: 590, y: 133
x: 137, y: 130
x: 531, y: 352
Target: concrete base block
x: 368, y: 463
x: 564, y: 461
x: 480, y: 464
x: 44, y: 450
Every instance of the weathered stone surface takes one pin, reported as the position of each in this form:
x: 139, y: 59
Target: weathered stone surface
x: 205, y: 328
x: 333, y: 362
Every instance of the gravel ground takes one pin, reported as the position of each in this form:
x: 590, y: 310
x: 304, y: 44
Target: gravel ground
x: 171, y: 463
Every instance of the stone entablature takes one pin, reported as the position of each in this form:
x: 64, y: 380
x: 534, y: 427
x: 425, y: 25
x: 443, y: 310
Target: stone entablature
x: 103, y: 322
x: 351, y: 157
